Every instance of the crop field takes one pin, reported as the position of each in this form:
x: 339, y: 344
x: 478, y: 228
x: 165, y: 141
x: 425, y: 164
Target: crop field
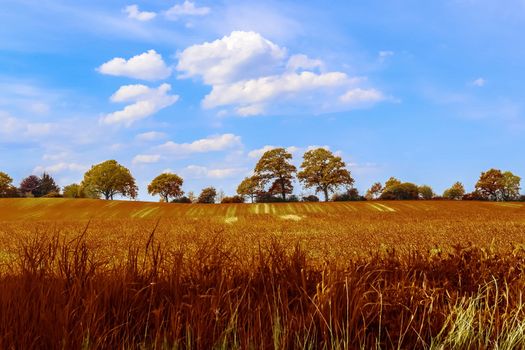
x: 379, y: 274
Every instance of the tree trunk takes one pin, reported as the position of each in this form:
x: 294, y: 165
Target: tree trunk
x: 283, y: 190
x: 325, y: 194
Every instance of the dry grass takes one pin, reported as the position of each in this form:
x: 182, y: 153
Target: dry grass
x: 434, y: 275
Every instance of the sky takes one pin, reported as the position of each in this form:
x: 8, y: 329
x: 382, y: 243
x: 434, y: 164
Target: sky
x: 428, y: 92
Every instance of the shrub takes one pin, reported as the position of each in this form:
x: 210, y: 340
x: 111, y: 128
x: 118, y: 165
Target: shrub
x: 351, y: 195
x: 403, y: 191
x: 183, y: 200
x: 233, y: 199
x: 311, y: 198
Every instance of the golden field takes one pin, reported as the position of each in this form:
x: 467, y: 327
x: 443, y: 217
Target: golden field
x: 401, y: 274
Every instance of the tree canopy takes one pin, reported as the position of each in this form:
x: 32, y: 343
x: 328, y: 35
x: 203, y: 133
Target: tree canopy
x: 274, y: 166
x: 455, y: 192
x: 166, y: 185
x: 496, y: 185
x: 6, y: 186
x: 207, y: 195
x: 401, y: 191
x: 109, y: 179
x: 324, y: 172
x: 249, y: 187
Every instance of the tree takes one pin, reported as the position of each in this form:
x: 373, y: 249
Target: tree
x: 425, y: 192
x: 166, y: 186
x: 220, y: 196
x: 73, y: 191
x: 250, y: 187
x: 274, y: 166
x: 511, y: 186
x: 352, y: 194
x: 280, y: 187
x: 392, y: 182
x: 29, y: 186
x: 207, y: 195
x: 192, y: 197
x: 6, y: 186
x: 47, y: 186
x: 456, y: 192
x: 490, y: 184
x: 401, y: 191
x: 374, y: 191
x: 109, y: 179
x: 234, y: 199
x: 324, y: 172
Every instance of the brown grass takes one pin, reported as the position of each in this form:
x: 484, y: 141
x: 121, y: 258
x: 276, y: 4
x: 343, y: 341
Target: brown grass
x: 325, y: 281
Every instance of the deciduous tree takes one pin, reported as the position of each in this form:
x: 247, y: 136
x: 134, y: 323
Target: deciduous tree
x: 109, y: 179
x: 425, y: 192
x: 166, y: 186
x: 274, y: 166
x: 511, y: 186
x: 456, y: 192
x: 374, y: 191
x: 6, y: 186
x: 207, y: 195
x: 250, y: 187
x: 29, y: 186
x: 324, y: 172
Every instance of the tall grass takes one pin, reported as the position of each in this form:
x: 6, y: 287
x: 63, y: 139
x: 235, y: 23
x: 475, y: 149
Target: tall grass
x: 60, y: 293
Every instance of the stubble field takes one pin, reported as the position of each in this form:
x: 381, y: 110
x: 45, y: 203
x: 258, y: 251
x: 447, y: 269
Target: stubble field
x: 114, y: 274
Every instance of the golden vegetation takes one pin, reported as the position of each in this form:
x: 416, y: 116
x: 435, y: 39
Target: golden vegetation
x: 96, y: 274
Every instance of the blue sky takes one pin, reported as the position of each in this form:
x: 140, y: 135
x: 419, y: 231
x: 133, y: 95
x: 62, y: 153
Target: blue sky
x: 427, y: 92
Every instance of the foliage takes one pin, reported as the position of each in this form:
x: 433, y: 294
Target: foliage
x: 207, y: 195
x: 392, y: 182
x: 324, y: 172
x: 495, y: 185
x: 274, y: 166
x: 250, y: 187
x: 182, y: 200
x: 281, y: 188
x: 425, y: 192
x: 233, y: 199
x: 402, y: 191
x: 456, y: 192
x: 166, y: 185
x: 7, y: 189
x: 109, y: 179
x: 374, y: 191
x: 352, y: 194
x: 47, y: 186
x: 310, y: 198
x: 29, y: 186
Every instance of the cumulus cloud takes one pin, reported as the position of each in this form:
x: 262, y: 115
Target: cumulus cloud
x: 209, y: 144
x: 150, y: 136
x: 146, y: 101
x: 237, y: 56
x: 187, y: 8
x: 133, y: 12
x: 146, y: 66
x: 60, y: 167
x: 196, y: 171
x: 252, y: 75
x: 360, y: 96
x: 297, y: 62
x: 146, y: 158
x: 257, y: 153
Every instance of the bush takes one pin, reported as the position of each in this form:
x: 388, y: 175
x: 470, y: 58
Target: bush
x: 183, y: 200
x: 52, y: 194
x: 311, y: 198
x: 349, y: 196
x: 234, y: 199
x: 403, y: 191
x: 473, y: 196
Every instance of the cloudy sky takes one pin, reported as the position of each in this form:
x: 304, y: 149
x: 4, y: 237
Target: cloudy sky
x: 429, y: 92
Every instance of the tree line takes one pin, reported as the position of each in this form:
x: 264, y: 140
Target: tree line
x: 272, y: 181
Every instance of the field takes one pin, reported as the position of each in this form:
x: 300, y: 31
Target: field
x: 401, y: 274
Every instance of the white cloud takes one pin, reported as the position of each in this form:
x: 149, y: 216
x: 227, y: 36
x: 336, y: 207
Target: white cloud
x: 196, y: 171
x: 15, y: 127
x: 146, y: 66
x: 146, y: 158
x: 239, y: 55
x: 254, y: 76
x: 209, y: 144
x: 150, y: 136
x: 297, y: 62
x: 60, y: 167
x: 480, y: 82
x: 383, y: 55
x: 133, y: 12
x: 257, y: 153
x: 147, y: 101
x: 252, y: 95
x: 360, y: 96
x: 187, y: 8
